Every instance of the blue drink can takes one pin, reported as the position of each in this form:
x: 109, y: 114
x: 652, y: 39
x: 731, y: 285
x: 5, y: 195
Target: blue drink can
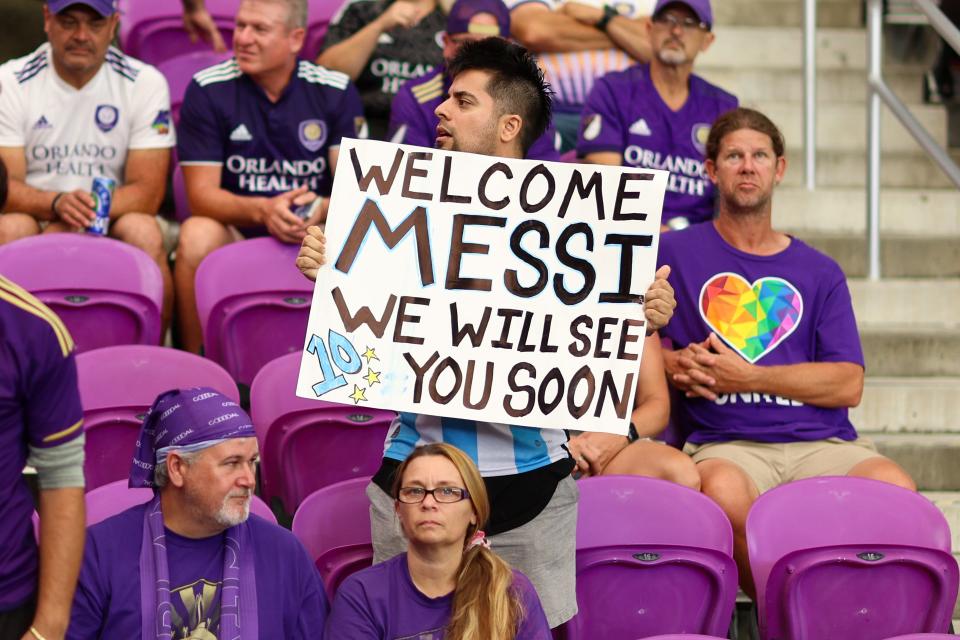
x: 102, y: 193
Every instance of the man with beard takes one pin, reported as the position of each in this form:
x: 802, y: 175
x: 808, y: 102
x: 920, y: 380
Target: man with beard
x: 192, y: 562
x: 767, y: 358
x: 658, y: 115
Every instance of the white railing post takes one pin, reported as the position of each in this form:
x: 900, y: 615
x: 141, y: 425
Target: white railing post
x: 874, y: 70
x: 810, y: 93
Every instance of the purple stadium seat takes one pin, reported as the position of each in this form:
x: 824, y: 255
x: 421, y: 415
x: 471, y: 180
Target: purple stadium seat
x: 308, y: 444
x: 153, y: 31
x: 840, y: 557
x: 925, y: 636
x: 180, y: 202
x: 106, y: 292
x: 253, y: 304
x: 320, y: 13
x: 685, y: 636
x: 179, y: 71
x: 652, y: 557
x: 118, y: 385
x: 334, y: 525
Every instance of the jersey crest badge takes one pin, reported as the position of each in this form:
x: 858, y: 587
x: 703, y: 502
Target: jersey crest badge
x: 106, y: 117
x: 161, y: 124
x: 699, y: 135
x: 313, y: 133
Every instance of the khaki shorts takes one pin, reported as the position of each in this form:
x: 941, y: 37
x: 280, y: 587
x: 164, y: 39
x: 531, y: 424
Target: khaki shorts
x: 772, y: 464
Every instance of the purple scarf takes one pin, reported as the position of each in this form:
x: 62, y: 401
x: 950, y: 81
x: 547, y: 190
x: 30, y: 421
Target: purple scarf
x: 191, y: 420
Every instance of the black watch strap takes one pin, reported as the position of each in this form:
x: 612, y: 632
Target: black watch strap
x: 608, y: 14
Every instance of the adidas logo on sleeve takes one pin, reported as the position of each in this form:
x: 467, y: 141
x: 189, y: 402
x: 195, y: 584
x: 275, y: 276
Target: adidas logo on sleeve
x: 241, y: 134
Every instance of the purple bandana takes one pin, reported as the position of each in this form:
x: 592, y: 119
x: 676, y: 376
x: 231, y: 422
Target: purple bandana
x: 191, y: 420
x: 185, y: 420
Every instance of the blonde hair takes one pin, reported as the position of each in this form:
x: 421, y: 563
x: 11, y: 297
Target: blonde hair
x: 485, y: 604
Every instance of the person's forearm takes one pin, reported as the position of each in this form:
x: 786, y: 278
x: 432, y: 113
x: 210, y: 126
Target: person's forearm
x: 22, y: 198
x: 630, y: 35
x: 549, y: 31
x: 651, y: 416
x: 62, y: 527
x: 822, y: 384
x: 138, y: 197
x: 226, y: 207
x: 351, y: 55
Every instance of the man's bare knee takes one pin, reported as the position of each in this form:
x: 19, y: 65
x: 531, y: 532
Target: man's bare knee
x: 728, y: 484
x: 683, y: 471
x: 14, y: 226
x: 140, y: 230
x: 199, y: 237
x: 885, y: 470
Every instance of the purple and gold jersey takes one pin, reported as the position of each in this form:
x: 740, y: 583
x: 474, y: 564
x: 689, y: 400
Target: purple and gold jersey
x: 266, y: 148
x: 413, y: 121
x: 40, y: 408
x: 626, y: 114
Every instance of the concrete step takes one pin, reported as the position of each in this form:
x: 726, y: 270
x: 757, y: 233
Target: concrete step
x: 841, y: 127
x: 949, y: 504
x: 921, y: 212
x: 833, y: 85
x: 786, y: 13
x: 912, y: 351
x: 898, y: 169
x: 908, y: 405
x: 917, y: 305
x: 930, y: 459
x: 901, y: 256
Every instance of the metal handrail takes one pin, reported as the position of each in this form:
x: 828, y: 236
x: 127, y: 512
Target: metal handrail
x: 879, y: 91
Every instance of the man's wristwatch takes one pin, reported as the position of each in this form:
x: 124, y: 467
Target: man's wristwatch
x: 608, y: 14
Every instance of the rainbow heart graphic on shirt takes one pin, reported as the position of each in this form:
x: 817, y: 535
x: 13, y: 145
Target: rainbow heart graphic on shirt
x: 752, y: 318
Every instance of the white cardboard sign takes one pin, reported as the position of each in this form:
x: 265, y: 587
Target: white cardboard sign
x: 483, y: 288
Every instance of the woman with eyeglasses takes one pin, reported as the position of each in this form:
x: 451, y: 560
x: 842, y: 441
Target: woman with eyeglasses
x: 449, y: 584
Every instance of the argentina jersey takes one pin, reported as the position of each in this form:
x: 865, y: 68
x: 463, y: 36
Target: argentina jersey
x: 497, y: 449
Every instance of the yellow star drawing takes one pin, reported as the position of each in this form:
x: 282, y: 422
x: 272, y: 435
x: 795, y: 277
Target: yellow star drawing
x: 372, y: 377
x: 370, y: 354
x: 357, y: 395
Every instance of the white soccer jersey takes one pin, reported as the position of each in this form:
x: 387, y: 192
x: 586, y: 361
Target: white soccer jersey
x: 71, y: 136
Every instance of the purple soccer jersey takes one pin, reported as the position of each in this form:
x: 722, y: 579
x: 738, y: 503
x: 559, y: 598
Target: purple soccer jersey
x: 789, y: 308
x: 39, y: 407
x: 626, y: 114
x: 265, y: 148
x: 413, y: 121
x: 382, y: 603
x: 290, y: 598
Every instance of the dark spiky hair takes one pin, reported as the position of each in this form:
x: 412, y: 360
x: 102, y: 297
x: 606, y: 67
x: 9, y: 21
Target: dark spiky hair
x: 516, y: 83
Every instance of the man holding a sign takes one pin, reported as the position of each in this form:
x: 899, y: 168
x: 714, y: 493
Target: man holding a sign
x: 496, y: 366
x: 767, y: 352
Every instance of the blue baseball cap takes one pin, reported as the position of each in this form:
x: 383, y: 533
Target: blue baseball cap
x: 700, y: 7
x: 104, y: 7
x: 463, y: 11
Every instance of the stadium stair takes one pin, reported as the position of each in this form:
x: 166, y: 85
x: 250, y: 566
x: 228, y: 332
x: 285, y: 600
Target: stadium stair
x: 909, y: 320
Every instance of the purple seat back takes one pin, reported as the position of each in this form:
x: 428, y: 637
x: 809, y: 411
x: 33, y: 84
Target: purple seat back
x: 115, y: 497
x: 925, y: 636
x: 179, y: 71
x: 118, y: 385
x: 334, y: 526
x: 308, y: 444
x: 153, y: 31
x: 841, y: 557
x: 105, y: 291
x: 180, y: 203
x: 253, y: 304
x: 652, y: 557
x: 685, y: 636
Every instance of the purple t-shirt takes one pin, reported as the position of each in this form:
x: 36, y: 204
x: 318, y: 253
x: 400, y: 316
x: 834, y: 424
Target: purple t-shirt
x: 414, y: 108
x: 382, y: 603
x: 39, y: 407
x: 291, y: 602
x: 789, y: 308
x: 626, y: 114
x: 265, y: 148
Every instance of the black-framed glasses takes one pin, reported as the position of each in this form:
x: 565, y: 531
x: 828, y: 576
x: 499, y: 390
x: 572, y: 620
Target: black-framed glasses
x: 672, y: 22
x: 416, y: 495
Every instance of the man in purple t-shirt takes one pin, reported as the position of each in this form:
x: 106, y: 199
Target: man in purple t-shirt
x: 413, y: 118
x: 193, y: 562
x: 766, y: 357
x: 259, y: 136
x: 657, y: 116
x: 41, y: 424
